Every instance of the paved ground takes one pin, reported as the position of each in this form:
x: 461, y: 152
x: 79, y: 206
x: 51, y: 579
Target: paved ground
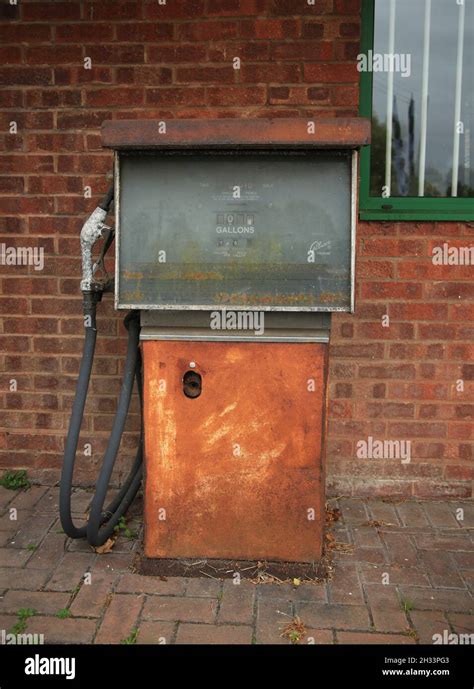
x: 401, y: 572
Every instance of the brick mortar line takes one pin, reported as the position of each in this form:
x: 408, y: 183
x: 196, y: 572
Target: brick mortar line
x: 411, y: 624
x: 219, y: 597
x: 207, y: 624
x: 447, y: 614
x: 399, y: 596
x: 9, y: 501
x: 108, y: 600
x: 373, y: 632
x: 214, y: 18
x: 53, y: 616
x: 427, y: 571
x: 163, y: 595
x: 140, y: 613
x: 75, y: 592
x: 368, y: 608
x: 419, y: 586
x: 140, y: 619
x: 421, y: 531
x: 435, y: 527
x: 406, y: 612
x: 419, y: 562
x: 440, y: 531
x: 361, y: 629
x: 98, y: 624
x: 174, y: 633
x: 439, y: 588
x: 254, y: 620
x: 401, y: 520
x: 462, y: 575
x: 59, y: 563
x: 454, y: 566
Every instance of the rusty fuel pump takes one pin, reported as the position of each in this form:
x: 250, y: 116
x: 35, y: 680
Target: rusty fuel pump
x: 234, y: 244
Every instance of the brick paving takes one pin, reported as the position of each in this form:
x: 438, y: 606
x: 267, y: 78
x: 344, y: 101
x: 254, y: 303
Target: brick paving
x: 399, y: 573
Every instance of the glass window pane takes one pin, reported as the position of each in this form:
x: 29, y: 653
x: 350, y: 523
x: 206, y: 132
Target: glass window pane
x: 406, y: 70
x: 283, y: 242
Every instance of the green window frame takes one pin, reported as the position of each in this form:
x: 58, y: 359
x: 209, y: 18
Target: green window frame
x: 406, y: 208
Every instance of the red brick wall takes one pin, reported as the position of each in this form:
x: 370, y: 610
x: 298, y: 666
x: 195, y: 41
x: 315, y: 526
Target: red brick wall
x: 175, y: 60
x: 401, y: 381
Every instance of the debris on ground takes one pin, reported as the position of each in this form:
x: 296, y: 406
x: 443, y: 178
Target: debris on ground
x: 377, y: 523
x: 332, y: 544
x: 294, y: 631
x: 333, y: 514
x: 107, y: 547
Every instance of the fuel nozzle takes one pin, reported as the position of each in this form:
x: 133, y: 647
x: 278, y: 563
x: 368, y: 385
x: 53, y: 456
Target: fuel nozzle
x: 94, y: 229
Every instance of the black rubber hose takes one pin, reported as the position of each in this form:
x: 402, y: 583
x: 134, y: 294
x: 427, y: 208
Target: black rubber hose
x: 122, y: 501
x: 96, y: 535
x: 89, y: 304
x: 108, y: 198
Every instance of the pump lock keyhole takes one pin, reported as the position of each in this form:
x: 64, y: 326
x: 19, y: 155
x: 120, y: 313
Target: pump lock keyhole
x: 192, y: 384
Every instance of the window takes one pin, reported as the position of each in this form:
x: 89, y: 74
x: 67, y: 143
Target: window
x: 417, y: 86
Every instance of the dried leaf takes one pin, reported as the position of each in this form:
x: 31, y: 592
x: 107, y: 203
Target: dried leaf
x: 333, y: 514
x: 106, y: 548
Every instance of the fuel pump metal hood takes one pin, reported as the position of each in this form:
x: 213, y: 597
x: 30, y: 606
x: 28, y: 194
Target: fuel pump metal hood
x: 301, y: 132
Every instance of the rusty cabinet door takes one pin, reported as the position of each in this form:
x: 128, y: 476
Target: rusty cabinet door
x: 234, y: 450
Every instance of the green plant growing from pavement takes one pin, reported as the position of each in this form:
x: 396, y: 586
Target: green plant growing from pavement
x: 123, y: 529
x: 15, y: 480
x: 63, y: 614
x: 407, y: 605
x: 23, y: 615
x: 131, y: 638
x: 294, y: 637
x: 31, y: 546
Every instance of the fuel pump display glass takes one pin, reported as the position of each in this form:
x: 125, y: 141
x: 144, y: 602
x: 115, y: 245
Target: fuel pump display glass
x: 252, y: 230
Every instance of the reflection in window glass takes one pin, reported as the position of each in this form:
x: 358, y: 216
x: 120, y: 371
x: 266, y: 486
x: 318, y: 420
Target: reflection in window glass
x: 423, y: 92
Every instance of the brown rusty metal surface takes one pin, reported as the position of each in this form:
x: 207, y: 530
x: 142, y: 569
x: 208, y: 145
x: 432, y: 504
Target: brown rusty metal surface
x: 334, y: 133
x: 232, y: 473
